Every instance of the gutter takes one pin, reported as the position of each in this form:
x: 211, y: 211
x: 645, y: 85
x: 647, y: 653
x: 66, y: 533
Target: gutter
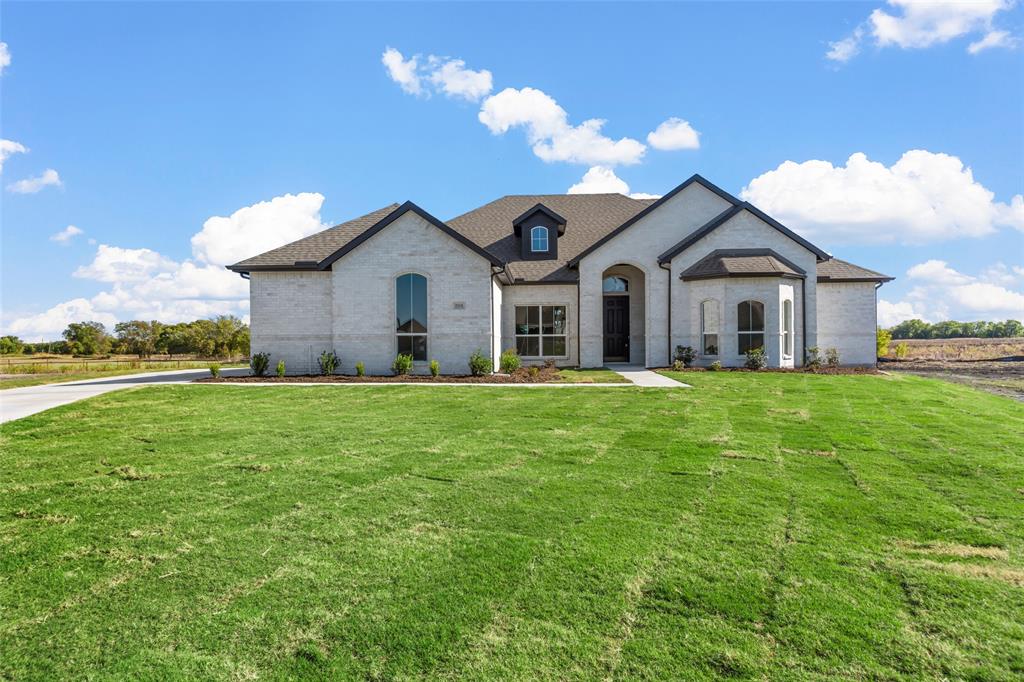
x: 669, y: 271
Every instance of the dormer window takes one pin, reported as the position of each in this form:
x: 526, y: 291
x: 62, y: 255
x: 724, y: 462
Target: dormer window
x: 539, y: 239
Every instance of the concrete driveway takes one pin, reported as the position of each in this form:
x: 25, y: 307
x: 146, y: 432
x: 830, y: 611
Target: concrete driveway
x: 16, y: 403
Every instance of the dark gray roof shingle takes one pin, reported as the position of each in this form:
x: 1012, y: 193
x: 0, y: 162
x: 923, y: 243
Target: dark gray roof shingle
x: 835, y: 270
x: 588, y: 218
x: 315, y: 247
x: 742, y: 263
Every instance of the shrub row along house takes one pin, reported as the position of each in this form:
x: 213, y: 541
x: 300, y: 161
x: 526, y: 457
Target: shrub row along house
x: 583, y: 279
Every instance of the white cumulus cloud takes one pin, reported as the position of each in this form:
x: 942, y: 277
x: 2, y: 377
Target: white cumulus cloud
x: 49, y: 178
x: 258, y: 228
x: 923, y: 197
x: 66, y: 235
x: 601, y: 180
x: 115, y: 264
x: 8, y: 148
x: 913, y: 24
x: 48, y: 325
x: 402, y: 71
x: 5, y: 57
x: 452, y: 78
x: 675, y: 133
x: 548, y: 130
x: 943, y: 293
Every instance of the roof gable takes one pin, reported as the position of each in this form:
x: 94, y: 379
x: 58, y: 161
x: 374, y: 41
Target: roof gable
x: 695, y: 178
x: 558, y: 220
x: 727, y: 215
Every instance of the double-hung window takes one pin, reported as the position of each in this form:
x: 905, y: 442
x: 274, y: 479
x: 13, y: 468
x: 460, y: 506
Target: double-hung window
x: 750, y: 325
x: 709, y: 327
x: 787, y: 328
x: 541, y: 330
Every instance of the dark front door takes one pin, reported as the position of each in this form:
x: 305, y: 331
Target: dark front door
x: 616, y: 328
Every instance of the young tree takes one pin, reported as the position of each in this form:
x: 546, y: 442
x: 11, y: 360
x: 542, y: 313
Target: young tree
x: 882, y: 340
x: 87, y: 338
x: 137, y: 337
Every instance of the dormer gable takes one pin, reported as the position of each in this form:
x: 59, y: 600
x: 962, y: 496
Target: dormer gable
x: 538, y: 230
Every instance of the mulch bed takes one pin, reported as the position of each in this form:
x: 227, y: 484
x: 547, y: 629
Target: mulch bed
x: 520, y: 376
x: 785, y: 370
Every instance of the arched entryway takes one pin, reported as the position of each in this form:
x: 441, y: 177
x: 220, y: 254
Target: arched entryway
x: 622, y: 288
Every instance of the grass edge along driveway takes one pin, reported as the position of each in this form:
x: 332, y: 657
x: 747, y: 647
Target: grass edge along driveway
x: 760, y: 526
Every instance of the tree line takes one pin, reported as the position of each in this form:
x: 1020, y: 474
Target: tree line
x: 950, y: 329
x: 224, y: 336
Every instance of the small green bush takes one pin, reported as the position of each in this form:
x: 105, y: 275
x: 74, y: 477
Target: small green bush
x: 756, y: 359
x: 901, y: 351
x: 360, y: 369
x: 259, y: 363
x: 280, y: 368
x: 215, y: 370
x: 402, y: 364
x: 435, y: 368
x: 479, y: 365
x: 715, y: 366
x: 678, y: 365
x: 882, y: 339
x: 510, y: 361
x: 328, y: 362
x: 534, y: 372
x: 685, y: 355
x: 813, y: 358
x: 832, y: 357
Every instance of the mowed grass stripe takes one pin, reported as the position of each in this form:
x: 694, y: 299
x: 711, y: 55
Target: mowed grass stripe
x: 760, y: 525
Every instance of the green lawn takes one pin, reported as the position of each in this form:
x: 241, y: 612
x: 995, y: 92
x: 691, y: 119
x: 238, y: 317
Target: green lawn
x: 775, y: 526
x: 29, y: 379
x: 598, y: 375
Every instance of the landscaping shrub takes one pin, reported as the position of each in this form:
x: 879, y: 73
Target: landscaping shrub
x: 435, y: 368
x: 813, y: 358
x: 402, y: 364
x: 509, y: 361
x: 901, y: 351
x: 259, y: 363
x: 360, y: 369
x: 280, y: 368
x: 478, y: 364
x: 882, y: 339
x: 215, y: 370
x: 686, y: 355
x: 715, y: 366
x: 756, y: 359
x: 534, y: 372
x: 678, y: 365
x: 328, y: 362
x: 832, y: 357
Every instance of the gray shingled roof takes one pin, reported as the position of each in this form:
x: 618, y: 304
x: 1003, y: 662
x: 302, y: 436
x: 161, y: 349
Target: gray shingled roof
x: 835, y: 270
x: 742, y: 263
x: 588, y: 218
x: 315, y: 247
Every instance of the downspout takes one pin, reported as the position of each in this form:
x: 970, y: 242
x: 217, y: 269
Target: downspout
x: 669, y: 271
x: 579, y: 343
x: 490, y: 300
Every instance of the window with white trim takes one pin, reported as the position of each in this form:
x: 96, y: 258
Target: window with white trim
x: 540, y: 331
x: 538, y: 238
x: 750, y: 326
x: 411, y: 316
x: 787, y: 328
x: 709, y: 327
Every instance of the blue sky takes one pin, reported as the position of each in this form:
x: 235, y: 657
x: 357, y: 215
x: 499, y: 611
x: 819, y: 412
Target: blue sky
x: 164, y: 121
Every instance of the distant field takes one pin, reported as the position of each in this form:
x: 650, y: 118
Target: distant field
x: 19, y: 371
x: 959, y: 349
x: 757, y: 526
x: 993, y: 365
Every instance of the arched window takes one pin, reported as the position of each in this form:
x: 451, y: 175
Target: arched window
x: 613, y: 284
x: 787, y: 328
x: 750, y: 325
x: 538, y: 238
x: 709, y: 327
x: 411, y: 315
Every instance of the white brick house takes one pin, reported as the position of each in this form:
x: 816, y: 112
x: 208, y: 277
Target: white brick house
x: 585, y: 279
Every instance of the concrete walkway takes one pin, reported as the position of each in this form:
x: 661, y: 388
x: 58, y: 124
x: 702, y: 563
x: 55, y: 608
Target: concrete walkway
x: 16, y: 403
x: 641, y: 376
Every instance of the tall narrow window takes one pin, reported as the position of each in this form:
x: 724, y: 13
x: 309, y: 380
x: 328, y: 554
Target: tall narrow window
x: 750, y: 325
x: 411, y: 314
x: 787, y: 328
x: 540, y: 330
x: 709, y: 327
x: 539, y: 238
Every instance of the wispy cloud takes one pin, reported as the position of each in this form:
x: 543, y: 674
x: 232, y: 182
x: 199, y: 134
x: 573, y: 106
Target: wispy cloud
x: 49, y: 178
x: 65, y: 236
x: 8, y: 148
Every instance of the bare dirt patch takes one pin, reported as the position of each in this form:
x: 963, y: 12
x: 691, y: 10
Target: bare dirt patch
x: 957, y: 550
